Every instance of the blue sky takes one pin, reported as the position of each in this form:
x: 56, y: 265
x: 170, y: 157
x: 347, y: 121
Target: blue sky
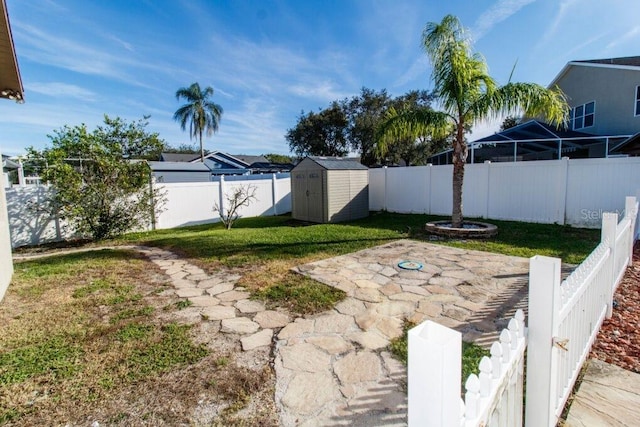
x: 268, y: 60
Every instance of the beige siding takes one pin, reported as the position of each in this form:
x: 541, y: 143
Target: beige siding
x: 338, y: 195
x: 348, y: 196
x: 359, y: 189
x: 6, y: 263
x: 613, y: 91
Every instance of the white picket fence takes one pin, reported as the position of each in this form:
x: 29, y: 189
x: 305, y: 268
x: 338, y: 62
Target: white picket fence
x: 564, y: 320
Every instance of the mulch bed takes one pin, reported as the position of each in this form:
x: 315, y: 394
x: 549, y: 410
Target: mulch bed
x: 618, y: 342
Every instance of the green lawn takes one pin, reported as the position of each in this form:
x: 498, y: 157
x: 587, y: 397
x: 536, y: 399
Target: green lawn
x: 91, y: 327
x: 259, y: 240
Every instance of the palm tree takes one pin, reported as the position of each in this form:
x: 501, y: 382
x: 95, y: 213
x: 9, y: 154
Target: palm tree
x: 468, y: 95
x: 200, y: 111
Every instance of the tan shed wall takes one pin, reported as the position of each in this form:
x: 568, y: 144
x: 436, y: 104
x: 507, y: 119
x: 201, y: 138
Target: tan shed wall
x: 347, y: 194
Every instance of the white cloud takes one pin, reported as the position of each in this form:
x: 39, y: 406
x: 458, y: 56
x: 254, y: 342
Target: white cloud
x: 550, y: 32
x: 625, y: 38
x: 497, y: 13
x: 64, y: 90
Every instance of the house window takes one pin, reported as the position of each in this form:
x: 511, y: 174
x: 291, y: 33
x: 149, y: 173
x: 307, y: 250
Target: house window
x: 637, y: 100
x: 583, y: 116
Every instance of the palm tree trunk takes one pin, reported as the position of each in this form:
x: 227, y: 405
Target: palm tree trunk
x: 201, y: 148
x: 459, y: 159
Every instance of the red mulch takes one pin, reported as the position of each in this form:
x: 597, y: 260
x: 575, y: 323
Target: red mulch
x: 618, y: 341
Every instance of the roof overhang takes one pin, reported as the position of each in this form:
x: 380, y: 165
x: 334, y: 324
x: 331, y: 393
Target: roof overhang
x: 10, y: 81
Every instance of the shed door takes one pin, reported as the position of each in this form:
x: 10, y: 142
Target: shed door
x: 300, y: 201
x: 315, y: 205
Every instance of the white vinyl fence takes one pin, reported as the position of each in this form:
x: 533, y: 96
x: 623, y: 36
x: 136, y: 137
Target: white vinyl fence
x: 567, y: 191
x: 564, y: 320
x: 190, y: 203
x: 31, y: 221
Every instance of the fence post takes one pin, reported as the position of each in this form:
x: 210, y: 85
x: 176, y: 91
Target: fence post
x: 434, y: 376
x: 631, y: 211
x: 221, y: 195
x: 385, y: 208
x: 274, y: 194
x: 488, y: 192
x: 544, y: 299
x: 608, y: 237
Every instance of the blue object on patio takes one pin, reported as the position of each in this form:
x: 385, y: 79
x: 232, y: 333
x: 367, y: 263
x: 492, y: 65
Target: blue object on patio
x: 410, y: 265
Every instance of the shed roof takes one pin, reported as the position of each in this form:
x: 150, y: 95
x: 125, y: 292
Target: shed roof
x: 338, y: 163
x: 178, y: 167
x: 10, y: 82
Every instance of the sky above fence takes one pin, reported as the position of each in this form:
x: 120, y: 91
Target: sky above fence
x: 268, y: 60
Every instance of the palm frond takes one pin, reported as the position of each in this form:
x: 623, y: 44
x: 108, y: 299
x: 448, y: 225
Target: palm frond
x: 413, y: 124
x: 529, y: 98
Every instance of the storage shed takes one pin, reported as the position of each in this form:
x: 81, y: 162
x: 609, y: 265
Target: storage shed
x: 329, y: 189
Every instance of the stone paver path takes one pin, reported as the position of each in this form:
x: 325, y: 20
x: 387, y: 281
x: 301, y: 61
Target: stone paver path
x: 217, y: 297
x: 333, y: 369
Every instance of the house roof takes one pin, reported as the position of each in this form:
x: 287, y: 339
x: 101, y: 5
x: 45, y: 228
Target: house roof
x: 250, y: 159
x: 633, y: 61
x: 533, y: 129
x: 10, y: 81
x: 226, y: 158
x: 338, y: 163
x: 629, y: 146
x: 622, y: 63
x: 178, y: 167
x: 178, y: 157
x: 9, y: 164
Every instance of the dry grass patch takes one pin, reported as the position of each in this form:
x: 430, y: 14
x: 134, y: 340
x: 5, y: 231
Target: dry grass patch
x: 87, y: 337
x: 275, y: 283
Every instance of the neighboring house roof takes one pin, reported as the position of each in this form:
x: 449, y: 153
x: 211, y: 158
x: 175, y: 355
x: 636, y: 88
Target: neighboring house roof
x: 624, y: 63
x: 9, y: 164
x: 178, y: 167
x: 630, y: 146
x: 532, y: 136
x: 268, y: 167
x: 10, y: 81
x: 225, y: 158
x: 338, y: 163
x: 250, y: 159
x: 178, y: 157
x: 533, y: 129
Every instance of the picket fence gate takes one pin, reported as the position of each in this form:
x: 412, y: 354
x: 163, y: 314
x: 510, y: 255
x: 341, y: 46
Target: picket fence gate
x: 564, y: 319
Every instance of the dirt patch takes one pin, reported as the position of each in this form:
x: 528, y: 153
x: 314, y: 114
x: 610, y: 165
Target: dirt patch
x: 618, y: 342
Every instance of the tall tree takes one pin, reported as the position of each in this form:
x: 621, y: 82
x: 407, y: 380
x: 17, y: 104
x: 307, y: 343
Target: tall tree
x: 320, y: 134
x: 365, y: 112
x: 200, y: 111
x: 468, y: 95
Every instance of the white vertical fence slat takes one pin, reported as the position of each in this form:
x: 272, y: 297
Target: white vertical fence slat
x: 186, y: 203
x: 565, y: 191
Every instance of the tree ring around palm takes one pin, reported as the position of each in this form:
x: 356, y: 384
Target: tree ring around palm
x: 469, y: 230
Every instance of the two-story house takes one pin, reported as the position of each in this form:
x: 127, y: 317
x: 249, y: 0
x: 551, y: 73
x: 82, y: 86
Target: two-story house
x: 604, y: 96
